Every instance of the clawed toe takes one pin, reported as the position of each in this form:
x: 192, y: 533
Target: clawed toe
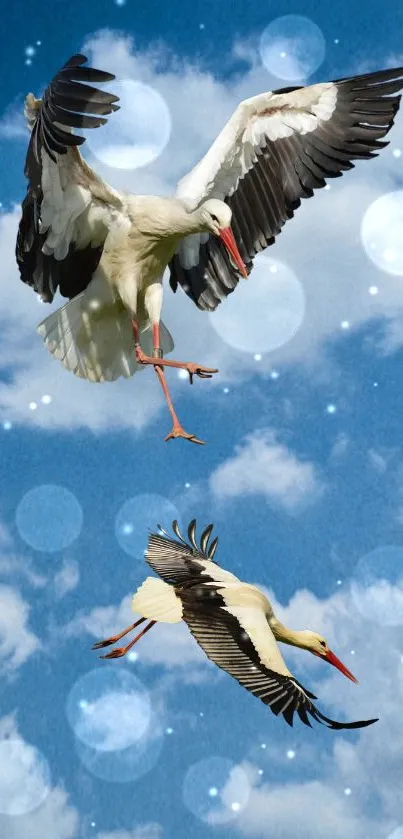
x: 118, y: 653
x: 101, y: 644
x: 178, y: 431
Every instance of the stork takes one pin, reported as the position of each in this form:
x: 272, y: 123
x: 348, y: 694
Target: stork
x: 106, y: 251
x: 232, y: 621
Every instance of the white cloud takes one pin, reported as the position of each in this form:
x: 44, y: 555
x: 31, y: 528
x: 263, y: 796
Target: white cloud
x: 23, y: 777
x: 12, y: 124
x: 55, y: 818
x: 17, y: 641
x: 145, y: 831
x: 308, y: 810
x: 14, y: 566
x: 262, y: 465
x: 67, y: 578
x: 199, y: 104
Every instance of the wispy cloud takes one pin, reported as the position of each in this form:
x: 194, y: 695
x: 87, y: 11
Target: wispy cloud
x: 262, y: 465
x: 23, y: 784
x: 17, y: 641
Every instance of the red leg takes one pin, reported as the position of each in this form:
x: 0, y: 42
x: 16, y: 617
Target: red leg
x: 157, y: 361
x: 108, y: 641
x: 121, y: 651
x: 177, y: 430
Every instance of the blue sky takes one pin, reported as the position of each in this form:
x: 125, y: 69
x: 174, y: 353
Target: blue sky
x: 302, y: 474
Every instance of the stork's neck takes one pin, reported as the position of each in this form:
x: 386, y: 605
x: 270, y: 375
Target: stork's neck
x: 295, y: 637
x: 192, y: 222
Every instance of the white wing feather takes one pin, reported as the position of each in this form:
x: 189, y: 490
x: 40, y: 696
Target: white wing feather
x: 266, y: 115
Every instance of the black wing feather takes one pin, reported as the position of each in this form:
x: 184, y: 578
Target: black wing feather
x: 227, y: 644
x: 66, y: 102
x: 287, y: 170
x: 176, y: 561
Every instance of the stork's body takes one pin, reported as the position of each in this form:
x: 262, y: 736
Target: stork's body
x: 231, y: 620
x: 107, y: 250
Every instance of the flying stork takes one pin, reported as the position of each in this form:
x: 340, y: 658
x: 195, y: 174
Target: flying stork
x: 232, y: 621
x: 106, y: 251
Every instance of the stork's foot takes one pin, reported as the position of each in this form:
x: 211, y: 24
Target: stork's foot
x: 197, y: 370
x: 118, y: 653
x: 178, y: 431
x: 157, y: 361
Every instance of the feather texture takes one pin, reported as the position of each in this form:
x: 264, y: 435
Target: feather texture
x: 276, y: 149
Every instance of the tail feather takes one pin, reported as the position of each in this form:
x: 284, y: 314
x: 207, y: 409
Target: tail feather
x: 95, y: 339
x: 157, y: 601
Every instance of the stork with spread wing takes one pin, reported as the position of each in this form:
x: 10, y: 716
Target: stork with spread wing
x: 106, y: 251
x: 232, y: 621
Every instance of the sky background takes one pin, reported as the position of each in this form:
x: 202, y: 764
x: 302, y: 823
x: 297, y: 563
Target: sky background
x: 302, y: 473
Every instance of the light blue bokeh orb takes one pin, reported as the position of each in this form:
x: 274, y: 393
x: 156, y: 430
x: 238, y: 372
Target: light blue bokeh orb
x: 109, y: 709
x: 49, y: 518
x: 216, y: 790
x: 138, y: 133
x: 381, y: 232
x: 266, y: 312
x: 292, y: 47
x: 140, y: 515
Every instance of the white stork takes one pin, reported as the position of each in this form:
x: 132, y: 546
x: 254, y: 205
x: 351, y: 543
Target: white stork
x: 107, y: 250
x: 232, y: 621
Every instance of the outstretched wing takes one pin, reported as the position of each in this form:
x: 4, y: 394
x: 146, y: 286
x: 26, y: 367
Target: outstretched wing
x: 241, y: 645
x: 179, y: 562
x: 276, y: 149
x: 68, y: 209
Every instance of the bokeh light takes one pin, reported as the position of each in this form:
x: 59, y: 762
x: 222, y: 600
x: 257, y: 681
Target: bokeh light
x: 109, y: 709
x: 24, y: 777
x: 138, y: 516
x: 216, y: 790
x: 138, y: 133
x: 265, y: 312
x: 377, y: 586
x: 381, y: 232
x: 292, y: 47
x: 125, y: 765
x: 49, y: 518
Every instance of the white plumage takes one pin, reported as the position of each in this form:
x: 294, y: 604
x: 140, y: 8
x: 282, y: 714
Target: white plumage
x: 232, y: 621
x: 79, y: 235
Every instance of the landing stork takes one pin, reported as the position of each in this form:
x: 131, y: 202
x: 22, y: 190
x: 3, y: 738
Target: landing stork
x: 232, y: 621
x: 107, y: 250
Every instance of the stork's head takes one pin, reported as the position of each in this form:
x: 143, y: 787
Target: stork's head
x: 317, y: 645
x: 215, y: 217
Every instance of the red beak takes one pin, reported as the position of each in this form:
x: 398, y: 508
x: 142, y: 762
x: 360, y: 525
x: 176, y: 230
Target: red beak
x: 332, y: 659
x: 227, y: 236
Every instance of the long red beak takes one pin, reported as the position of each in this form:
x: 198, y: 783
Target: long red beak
x: 332, y: 659
x: 227, y: 236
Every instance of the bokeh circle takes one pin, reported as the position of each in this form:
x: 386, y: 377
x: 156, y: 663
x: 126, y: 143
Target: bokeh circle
x: 216, y: 790
x: 109, y: 709
x: 381, y: 232
x: 140, y: 515
x: 265, y: 312
x: 138, y: 133
x: 49, y: 518
x: 292, y: 47
x: 125, y: 765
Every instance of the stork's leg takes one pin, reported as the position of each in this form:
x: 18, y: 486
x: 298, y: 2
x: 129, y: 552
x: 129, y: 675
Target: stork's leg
x: 121, y: 651
x: 109, y: 641
x: 153, y: 303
